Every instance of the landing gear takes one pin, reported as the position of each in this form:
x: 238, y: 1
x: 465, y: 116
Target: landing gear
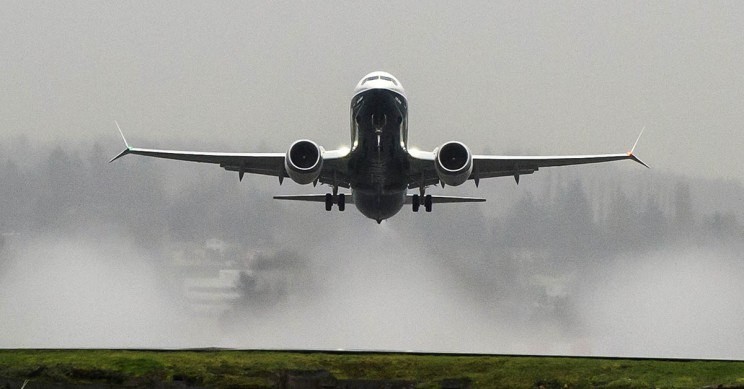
x: 416, y: 202
x: 328, y: 201
x: 340, y: 200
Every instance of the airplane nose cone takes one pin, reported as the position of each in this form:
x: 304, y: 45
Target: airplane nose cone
x: 379, y: 80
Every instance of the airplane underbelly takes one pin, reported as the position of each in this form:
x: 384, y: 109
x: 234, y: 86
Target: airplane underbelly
x: 379, y: 205
x: 378, y: 166
x: 379, y: 190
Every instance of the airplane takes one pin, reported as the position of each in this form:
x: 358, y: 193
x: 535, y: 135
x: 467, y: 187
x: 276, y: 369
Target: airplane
x: 379, y: 168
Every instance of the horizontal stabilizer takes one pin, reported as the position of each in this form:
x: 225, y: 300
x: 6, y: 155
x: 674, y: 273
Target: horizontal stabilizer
x: 319, y: 198
x: 449, y: 199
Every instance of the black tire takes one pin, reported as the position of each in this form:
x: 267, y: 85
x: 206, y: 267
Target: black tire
x: 329, y: 201
x: 427, y: 203
x: 416, y: 202
x: 341, y: 202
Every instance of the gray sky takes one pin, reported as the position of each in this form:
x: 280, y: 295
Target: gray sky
x: 540, y: 77
x: 92, y: 254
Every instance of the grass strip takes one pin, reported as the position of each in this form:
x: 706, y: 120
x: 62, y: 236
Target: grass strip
x: 257, y: 369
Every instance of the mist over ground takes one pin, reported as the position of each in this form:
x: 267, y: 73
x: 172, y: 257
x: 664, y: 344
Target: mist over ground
x: 596, y: 260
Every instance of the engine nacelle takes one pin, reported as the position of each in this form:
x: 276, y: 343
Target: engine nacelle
x: 454, y: 163
x: 303, y: 161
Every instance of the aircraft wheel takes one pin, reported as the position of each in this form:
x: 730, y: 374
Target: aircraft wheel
x: 329, y: 201
x: 416, y: 202
x: 427, y: 203
x: 341, y: 202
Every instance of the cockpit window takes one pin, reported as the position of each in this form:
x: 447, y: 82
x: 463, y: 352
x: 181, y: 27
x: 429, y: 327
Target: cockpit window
x: 389, y: 79
x: 370, y: 79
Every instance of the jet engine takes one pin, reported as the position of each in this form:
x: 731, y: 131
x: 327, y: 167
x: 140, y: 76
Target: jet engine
x: 303, y: 161
x: 453, y: 163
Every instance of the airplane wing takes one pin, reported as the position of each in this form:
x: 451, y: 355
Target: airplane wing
x: 487, y: 166
x: 269, y: 164
x: 423, y: 172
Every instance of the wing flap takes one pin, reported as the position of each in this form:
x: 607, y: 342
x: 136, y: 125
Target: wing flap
x: 224, y: 159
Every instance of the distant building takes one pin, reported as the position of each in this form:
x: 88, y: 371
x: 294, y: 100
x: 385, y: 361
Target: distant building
x: 212, y: 295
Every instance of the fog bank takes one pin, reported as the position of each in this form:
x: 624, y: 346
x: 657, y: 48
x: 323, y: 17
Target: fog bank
x: 603, y: 260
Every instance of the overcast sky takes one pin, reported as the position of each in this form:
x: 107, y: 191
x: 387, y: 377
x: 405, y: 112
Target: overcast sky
x: 88, y: 249
x: 537, y: 77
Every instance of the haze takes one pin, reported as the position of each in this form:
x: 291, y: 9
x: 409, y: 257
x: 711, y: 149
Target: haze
x: 605, y: 260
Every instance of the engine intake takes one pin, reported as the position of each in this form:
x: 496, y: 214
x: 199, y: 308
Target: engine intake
x: 303, y: 161
x: 454, y: 163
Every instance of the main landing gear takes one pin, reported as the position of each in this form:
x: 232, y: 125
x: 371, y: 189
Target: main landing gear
x: 416, y: 202
x: 340, y: 200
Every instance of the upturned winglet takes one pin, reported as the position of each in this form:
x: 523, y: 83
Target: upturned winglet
x: 126, y: 151
x: 632, y: 149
